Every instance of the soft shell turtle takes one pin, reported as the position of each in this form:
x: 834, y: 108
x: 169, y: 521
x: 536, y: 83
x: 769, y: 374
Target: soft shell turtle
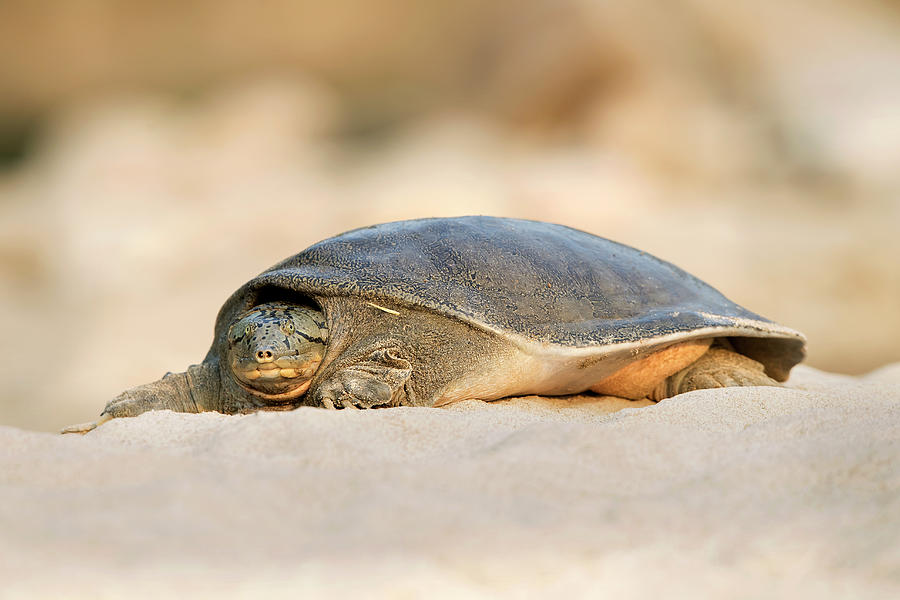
x: 432, y: 311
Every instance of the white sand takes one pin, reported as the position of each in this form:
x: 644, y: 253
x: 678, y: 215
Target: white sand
x: 739, y: 493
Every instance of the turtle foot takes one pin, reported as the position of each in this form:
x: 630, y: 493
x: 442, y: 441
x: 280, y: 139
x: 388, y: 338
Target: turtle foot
x: 378, y: 380
x: 351, y: 390
x: 717, y: 368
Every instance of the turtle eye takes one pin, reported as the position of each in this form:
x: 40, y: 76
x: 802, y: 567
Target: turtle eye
x: 287, y: 326
x: 250, y: 328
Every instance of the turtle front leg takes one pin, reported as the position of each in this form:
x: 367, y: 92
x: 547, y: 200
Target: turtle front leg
x: 193, y: 391
x: 379, y: 379
x: 159, y: 395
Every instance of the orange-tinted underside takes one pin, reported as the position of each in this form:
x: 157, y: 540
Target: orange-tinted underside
x: 641, y: 377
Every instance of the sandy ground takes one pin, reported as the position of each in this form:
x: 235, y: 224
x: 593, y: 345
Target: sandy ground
x: 752, y: 492
x: 181, y: 148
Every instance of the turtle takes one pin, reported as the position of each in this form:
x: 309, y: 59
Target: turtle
x: 428, y: 312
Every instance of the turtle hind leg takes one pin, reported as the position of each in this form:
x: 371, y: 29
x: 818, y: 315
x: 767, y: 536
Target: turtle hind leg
x: 718, y: 367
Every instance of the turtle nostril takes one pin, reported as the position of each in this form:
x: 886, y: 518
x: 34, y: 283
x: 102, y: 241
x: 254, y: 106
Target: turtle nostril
x: 263, y: 355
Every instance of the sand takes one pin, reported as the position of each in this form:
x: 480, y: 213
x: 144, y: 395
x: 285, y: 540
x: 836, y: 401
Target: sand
x: 743, y: 492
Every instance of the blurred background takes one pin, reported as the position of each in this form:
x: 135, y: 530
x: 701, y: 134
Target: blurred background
x: 156, y: 155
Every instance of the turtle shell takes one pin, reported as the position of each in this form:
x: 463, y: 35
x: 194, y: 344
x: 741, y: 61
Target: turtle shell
x: 535, y: 283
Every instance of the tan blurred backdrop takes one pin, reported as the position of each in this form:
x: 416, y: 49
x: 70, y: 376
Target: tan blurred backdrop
x: 155, y: 155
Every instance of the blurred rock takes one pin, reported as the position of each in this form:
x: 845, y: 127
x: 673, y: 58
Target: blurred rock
x: 706, y: 89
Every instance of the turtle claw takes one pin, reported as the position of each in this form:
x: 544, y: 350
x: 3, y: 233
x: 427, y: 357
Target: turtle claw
x: 328, y: 402
x: 83, y: 428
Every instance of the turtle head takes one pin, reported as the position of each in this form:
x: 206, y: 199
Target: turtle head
x: 275, y: 348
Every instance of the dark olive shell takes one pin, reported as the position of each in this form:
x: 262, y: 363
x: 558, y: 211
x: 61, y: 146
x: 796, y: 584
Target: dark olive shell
x: 526, y: 280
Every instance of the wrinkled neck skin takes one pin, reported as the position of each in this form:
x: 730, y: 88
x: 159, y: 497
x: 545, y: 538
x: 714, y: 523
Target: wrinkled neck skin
x: 204, y: 387
x: 273, y: 350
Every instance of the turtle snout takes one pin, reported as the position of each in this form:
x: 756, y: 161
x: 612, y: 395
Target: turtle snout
x: 265, y: 356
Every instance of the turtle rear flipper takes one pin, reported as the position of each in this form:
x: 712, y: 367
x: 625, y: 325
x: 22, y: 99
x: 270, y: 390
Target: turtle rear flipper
x: 717, y: 368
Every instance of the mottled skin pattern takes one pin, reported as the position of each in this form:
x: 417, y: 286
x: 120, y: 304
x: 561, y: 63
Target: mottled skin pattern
x: 275, y: 348
x: 432, y: 311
